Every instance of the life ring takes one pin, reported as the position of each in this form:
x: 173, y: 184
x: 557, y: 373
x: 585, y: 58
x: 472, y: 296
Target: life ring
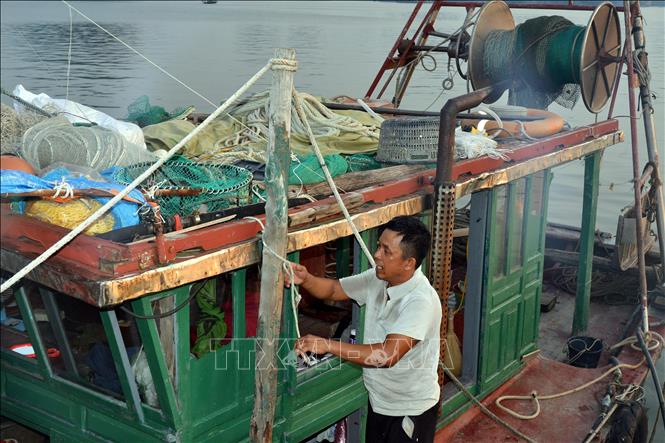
x: 546, y: 123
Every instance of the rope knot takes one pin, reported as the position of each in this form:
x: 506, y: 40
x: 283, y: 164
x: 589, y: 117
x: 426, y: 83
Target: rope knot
x: 64, y: 188
x: 283, y: 64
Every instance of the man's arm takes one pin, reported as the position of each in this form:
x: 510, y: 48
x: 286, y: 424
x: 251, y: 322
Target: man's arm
x: 321, y: 288
x: 378, y: 355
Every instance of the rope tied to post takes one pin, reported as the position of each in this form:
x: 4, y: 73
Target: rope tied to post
x: 283, y: 64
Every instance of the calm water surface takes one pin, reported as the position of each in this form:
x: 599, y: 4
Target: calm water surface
x: 215, y: 48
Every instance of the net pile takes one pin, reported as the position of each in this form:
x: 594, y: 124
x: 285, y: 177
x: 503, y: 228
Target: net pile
x: 13, y: 125
x: 541, y: 57
x: 144, y: 114
x: 70, y: 214
x: 218, y: 186
x: 57, y: 140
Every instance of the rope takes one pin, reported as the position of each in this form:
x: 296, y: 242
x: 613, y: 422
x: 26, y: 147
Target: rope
x: 482, y: 407
x: 64, y: 188
x: 370, y: 111
x: 101, y: 211
x: 295, y: 295
x: 535, y: 398
x: 30, y: 106
x: 283, y: 64
x: 329, y: 179
x: 421, y: 55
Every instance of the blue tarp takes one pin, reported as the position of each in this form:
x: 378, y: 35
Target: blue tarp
x: 125, y: 213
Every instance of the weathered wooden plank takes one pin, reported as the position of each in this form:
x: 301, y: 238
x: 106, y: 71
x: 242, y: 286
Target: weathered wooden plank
x: 321, y: 212
x: 362, y: 179
x: 275, y: 238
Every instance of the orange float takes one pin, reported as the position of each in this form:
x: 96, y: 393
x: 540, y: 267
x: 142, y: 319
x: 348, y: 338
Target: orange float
x: 15, y: 163
x: 546, y: 123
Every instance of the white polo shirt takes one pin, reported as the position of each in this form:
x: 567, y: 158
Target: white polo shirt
x: 413, y: 309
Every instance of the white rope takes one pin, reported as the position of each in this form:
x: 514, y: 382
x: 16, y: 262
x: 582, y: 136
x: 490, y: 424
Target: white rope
x: 286, y: 265
x: 151, y: 192
x: 69, y: 52
x: 64, y: 188
x: 137, y: 53
x: 535, y: 398
x: 370, y: 111
x: 523, y: 131
x: 330, y: 180
x: 101, y: 211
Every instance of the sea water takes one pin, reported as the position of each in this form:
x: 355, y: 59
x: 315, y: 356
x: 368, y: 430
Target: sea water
x: 214, y: 49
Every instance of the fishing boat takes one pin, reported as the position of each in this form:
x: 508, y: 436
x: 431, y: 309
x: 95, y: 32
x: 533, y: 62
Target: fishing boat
x: 134, y: 293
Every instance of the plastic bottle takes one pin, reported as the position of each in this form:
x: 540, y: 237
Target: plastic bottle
x: 352, y: 336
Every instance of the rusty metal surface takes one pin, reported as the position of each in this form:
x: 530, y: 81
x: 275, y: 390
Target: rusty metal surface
x: 442, y: 254
x: 509, y: 173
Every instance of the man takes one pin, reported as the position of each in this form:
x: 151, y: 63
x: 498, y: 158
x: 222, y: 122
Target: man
x: 402, y: 319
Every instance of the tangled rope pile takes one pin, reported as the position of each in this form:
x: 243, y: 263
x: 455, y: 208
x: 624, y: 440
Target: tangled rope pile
x: 252, y: 135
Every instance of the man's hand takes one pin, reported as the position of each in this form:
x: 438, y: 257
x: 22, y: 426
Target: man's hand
x: 313, y: 344
x: 300, y: 274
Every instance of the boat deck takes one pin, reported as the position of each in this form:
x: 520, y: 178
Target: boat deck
x: 563, y: 419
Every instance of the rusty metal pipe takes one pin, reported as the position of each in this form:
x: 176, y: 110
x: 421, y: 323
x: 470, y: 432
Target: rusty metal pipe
x: 446, y: 148
x: 443, y: 210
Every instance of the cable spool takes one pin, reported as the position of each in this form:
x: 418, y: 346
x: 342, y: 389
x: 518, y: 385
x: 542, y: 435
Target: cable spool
x: 546, y: 59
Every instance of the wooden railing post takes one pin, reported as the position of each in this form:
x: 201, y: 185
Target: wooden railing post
x: 275, y: 238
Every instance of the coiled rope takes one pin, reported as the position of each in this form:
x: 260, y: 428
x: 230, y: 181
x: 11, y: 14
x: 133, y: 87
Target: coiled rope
x: 654, y: 340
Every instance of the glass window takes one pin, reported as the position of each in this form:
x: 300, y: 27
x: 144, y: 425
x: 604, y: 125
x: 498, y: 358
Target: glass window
x: 500, y: 217
x: 517, y: 223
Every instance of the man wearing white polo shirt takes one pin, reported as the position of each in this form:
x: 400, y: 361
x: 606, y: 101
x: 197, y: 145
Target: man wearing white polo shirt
x: 400, y: 353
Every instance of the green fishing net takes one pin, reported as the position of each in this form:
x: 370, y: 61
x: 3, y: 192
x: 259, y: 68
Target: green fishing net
x: 541, y: 57
x: 306, y: 170
x: 362, y: 162
x: 218, y: 186
x: 144, y: 114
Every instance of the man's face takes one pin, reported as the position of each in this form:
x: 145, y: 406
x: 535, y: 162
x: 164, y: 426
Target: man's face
x: 391, y: 266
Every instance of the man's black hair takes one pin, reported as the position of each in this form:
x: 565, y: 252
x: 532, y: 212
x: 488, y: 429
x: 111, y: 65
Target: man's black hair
x: 415, y: 236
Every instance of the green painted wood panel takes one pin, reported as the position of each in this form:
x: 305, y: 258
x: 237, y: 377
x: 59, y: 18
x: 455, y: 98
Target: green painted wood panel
x: 513, y: 277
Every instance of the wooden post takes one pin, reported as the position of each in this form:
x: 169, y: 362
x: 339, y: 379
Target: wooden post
x: 275, y: 237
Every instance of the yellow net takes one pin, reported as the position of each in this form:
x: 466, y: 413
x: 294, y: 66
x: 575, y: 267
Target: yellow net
x: 70, y: 214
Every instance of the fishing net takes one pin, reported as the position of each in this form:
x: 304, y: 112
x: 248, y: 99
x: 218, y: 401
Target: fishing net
x: 541, y: 57
x: 57, y: 140
x: 362, y: 162
x: 141, y: 112
x: 216, y: 187
x: 70, y: 214
x: 13, y: 125
x: 306, y: 170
